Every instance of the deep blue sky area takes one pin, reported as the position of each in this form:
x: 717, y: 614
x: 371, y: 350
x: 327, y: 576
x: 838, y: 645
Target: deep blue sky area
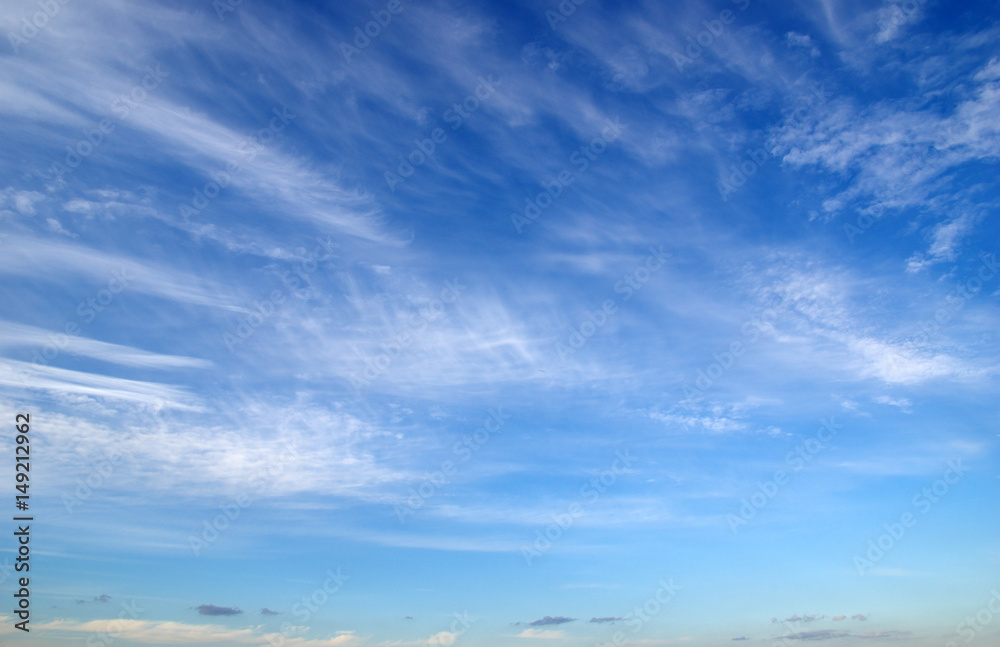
x: 404, y: 322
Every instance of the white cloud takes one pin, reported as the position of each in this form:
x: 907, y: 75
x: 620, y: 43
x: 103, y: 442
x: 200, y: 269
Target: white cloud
x: 250, y: 449
x: 55, y: 260
x: 903, y: 404
x: 442, y: 638
x: 25, y: 377
x: 150, y: 632
x: 946, y: 242
x: 899, y: 156
x: 708, y: 424
x: 796, y: 39
x: 542, y: 633
x: 14, y: 335
x: 23, y: 202
x: 894, y: 17
x: 823, y: 305
x: 898, y: 364
x: 56, y: 227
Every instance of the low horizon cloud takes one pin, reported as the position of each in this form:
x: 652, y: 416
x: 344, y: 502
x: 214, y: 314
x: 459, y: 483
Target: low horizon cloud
x: 213, y: 610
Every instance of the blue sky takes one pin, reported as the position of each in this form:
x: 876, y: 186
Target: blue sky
x: 503, y: 323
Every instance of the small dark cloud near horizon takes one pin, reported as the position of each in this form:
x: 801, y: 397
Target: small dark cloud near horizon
x: 807, y: 618
x: 212, y: 610
x: 408, y: 618
x: 80, y: 601
x: 550, y: 620
x: 822, y: 634
x: 741, y: 638
x: 608, y: 619
x: 267, y: 612
x: 103, y: 597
